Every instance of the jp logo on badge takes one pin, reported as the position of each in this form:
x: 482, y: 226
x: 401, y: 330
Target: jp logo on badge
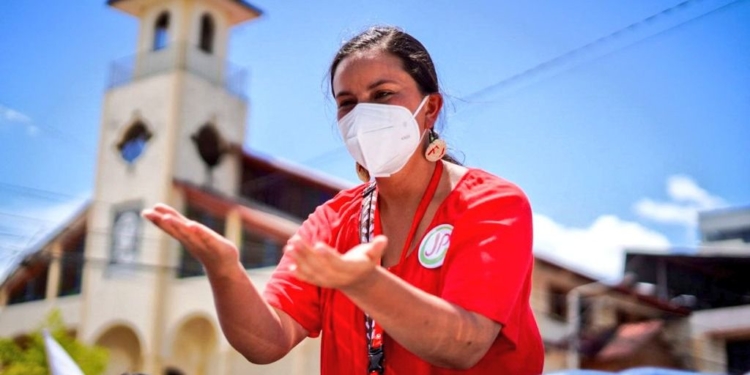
x: 435, y: 245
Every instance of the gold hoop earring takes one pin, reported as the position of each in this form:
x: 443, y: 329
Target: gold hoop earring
x: 436, y: 148
x: 362, y: 173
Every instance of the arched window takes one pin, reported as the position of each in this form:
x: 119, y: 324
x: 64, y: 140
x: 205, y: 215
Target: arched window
x: 161, y: 31
x: 207, y: 34
x: 133, y: 143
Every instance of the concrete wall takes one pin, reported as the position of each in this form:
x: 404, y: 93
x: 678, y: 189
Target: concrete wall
x: 711, y: 328
x: 202, y: 103
x: 22, y: 318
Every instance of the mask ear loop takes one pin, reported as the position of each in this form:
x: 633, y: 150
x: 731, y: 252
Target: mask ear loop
x: 414, y: 115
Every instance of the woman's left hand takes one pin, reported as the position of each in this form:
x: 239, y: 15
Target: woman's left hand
x: 324, y: 266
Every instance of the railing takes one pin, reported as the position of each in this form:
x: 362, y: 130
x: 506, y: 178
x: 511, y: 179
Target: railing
x: 194, y: 60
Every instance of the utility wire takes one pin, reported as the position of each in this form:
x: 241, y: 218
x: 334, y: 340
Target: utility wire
x: 37, y: 192
x: 558, y: 60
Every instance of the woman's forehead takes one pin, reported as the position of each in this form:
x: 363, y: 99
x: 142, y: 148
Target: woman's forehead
x: 364, y: 68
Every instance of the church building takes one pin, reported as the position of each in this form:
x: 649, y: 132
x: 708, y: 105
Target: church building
x: 172, y: 127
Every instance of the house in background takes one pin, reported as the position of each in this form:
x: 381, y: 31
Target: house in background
x: 714, y: 284
x: 587, y: 324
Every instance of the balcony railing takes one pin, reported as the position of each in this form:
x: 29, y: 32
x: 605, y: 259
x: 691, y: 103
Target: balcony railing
x: 179, y: 56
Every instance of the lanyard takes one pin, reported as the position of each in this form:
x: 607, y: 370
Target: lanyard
x: 373, y: 330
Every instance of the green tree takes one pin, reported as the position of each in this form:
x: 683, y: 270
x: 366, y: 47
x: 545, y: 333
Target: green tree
x: 28, y: 356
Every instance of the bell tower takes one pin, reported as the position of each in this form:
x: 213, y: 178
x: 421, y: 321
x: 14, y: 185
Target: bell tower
x: 170, y: 113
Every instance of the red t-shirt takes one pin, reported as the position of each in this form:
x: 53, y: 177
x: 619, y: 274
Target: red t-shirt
x: 486, y: 269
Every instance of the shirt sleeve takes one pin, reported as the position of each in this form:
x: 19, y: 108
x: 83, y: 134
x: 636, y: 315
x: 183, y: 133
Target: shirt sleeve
x: 300, y: 299
x: 487, y: 268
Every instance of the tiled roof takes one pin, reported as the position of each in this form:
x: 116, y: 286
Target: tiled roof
x: 629, y: 338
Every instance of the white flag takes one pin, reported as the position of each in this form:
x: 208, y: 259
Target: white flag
x: 58, y: 360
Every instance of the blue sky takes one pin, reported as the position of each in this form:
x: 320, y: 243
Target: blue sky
x: 619, y: 119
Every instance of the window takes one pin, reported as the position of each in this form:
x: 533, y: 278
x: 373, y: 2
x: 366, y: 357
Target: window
x: 161, y: 31
x: 71, y: 267
x: 133, y: 142
x: 585, y: 312
x: 282, y: 191
x: 738, y: 357
x: 34, y: 285
x: 558, y: 303
x: 207, y: 34
x: 742, y: 234
x: 189, y: 266
x: 258, y: 251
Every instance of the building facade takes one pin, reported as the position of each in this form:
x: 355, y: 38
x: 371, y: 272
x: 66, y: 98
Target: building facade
x: 587, y: 324
x: 714, y: 283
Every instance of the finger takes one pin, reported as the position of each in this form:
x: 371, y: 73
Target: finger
x: 301, y: 269
x: 311, y: 264
x: 298, y: 241
x: 177, y: 229
x: 166, y: 209
x: 207, y: 236
x: 300, y: 250
x: 303, y: 275
x: 163, y: 222
x: 149, y: 213
x: 326, y: 254
x: 377, y: 248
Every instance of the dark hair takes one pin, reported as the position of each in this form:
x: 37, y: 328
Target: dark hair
x: 417, y: 61
x: 413, y: 55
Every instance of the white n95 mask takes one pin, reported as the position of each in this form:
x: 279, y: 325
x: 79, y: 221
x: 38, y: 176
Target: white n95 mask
x: 381, y: 137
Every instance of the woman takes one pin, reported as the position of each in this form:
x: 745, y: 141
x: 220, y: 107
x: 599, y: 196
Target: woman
x: 427, y: 270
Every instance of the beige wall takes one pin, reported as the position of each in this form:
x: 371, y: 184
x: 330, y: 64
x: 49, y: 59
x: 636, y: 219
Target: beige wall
x: 22, y: 318
x: 203, y: 102
x: 711, y: 328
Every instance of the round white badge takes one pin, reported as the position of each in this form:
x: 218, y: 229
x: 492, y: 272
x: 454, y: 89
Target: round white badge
x: 435, y: 245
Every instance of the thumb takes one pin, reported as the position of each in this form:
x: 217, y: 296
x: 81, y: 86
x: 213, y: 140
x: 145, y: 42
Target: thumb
x: 377, y: 247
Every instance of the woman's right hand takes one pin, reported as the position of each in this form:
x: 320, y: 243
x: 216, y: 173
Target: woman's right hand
x: 210, y: 248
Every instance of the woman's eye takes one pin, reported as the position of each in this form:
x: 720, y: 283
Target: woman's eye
x: 346, y: 103
x: 383, y: 94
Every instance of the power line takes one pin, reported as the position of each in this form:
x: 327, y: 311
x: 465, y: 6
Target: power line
x: 28, y: 218
x: 558, y: 60
x: 37, y: 192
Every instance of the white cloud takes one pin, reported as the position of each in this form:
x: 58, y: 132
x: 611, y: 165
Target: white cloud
x: 666, y: 212
x: 686, y: 200
x: 11, y: 116
x: 598, y: 250
x: 684, y: 189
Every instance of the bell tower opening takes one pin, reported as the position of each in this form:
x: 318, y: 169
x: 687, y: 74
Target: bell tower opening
x: 161, y: 31
x: 207, y: 34
x: 133, y: 142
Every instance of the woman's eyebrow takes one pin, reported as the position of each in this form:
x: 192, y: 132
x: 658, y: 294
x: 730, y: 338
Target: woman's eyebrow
x: 380, y: 82
x: 369, y: 87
